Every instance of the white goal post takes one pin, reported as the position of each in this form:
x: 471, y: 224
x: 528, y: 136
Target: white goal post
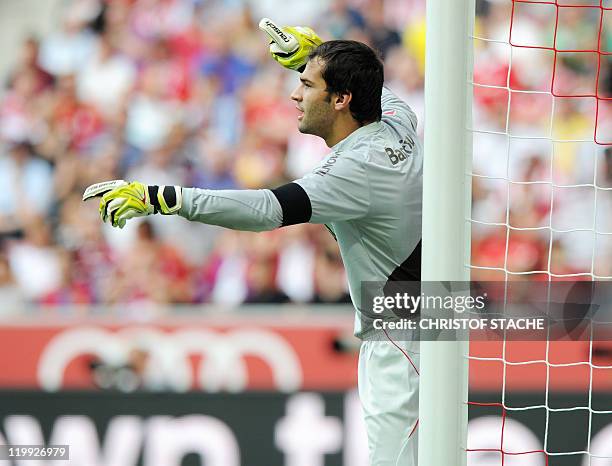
x: 446, y: 230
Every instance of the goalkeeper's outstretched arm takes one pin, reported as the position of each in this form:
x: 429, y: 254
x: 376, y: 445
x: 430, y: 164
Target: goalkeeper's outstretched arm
x: 342, y: 194
x: 247, y: 210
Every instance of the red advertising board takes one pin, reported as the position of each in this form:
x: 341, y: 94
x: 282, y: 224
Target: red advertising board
x: 181, y: 354
x: 262, y: 353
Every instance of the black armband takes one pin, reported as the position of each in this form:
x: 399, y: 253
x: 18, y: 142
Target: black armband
x: 295, y: 204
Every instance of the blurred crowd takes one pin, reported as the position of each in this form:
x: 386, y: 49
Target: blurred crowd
x: 184, y: 92
x: 542, y: 121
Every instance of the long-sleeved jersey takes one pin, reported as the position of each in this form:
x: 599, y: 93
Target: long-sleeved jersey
x: 367, y: 191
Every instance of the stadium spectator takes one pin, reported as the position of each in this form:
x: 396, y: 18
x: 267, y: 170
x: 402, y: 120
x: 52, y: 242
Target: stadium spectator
x: 11, y: 295
x: 35, y: 260
x: 28, y: 182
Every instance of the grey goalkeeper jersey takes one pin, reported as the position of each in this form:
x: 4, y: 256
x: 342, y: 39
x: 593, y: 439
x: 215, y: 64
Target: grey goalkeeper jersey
x: 367, y: 191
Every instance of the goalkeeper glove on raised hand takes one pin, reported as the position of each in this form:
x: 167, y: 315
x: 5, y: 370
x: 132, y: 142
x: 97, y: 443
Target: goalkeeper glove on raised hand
x: 290, y: 46
x: 122, y: 200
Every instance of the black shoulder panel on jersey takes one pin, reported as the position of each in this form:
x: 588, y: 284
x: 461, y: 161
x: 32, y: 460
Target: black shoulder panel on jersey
x: 407, y: 271
x: 295, y: 204
x: 410, y: 269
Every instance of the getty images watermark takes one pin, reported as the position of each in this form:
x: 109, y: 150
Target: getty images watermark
x: 404, y: 302
x: 486, y: 310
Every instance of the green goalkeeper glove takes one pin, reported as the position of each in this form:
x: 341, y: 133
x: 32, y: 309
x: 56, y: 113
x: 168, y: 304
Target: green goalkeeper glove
x: 290, y: 46
x: 122, y: 201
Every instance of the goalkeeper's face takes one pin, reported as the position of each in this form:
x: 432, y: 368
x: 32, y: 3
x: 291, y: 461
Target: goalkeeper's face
x: 316, y: 111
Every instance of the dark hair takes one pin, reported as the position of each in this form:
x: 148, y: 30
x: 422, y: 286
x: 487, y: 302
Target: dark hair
x: 351, y: 66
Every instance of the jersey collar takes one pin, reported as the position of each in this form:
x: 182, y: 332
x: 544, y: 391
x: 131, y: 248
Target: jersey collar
x: 357, y: 135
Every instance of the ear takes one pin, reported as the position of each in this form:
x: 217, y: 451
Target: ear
x: 342, y: 100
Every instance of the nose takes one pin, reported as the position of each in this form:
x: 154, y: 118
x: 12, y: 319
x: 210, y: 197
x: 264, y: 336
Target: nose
x: 297, y: 93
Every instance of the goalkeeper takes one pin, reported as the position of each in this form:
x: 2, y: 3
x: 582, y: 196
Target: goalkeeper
x: 367, y: 192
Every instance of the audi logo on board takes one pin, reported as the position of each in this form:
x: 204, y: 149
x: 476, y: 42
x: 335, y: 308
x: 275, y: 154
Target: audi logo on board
x: 169, y: 365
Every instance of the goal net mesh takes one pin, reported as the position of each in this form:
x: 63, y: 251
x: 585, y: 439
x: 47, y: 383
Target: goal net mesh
x: 541, y: 210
